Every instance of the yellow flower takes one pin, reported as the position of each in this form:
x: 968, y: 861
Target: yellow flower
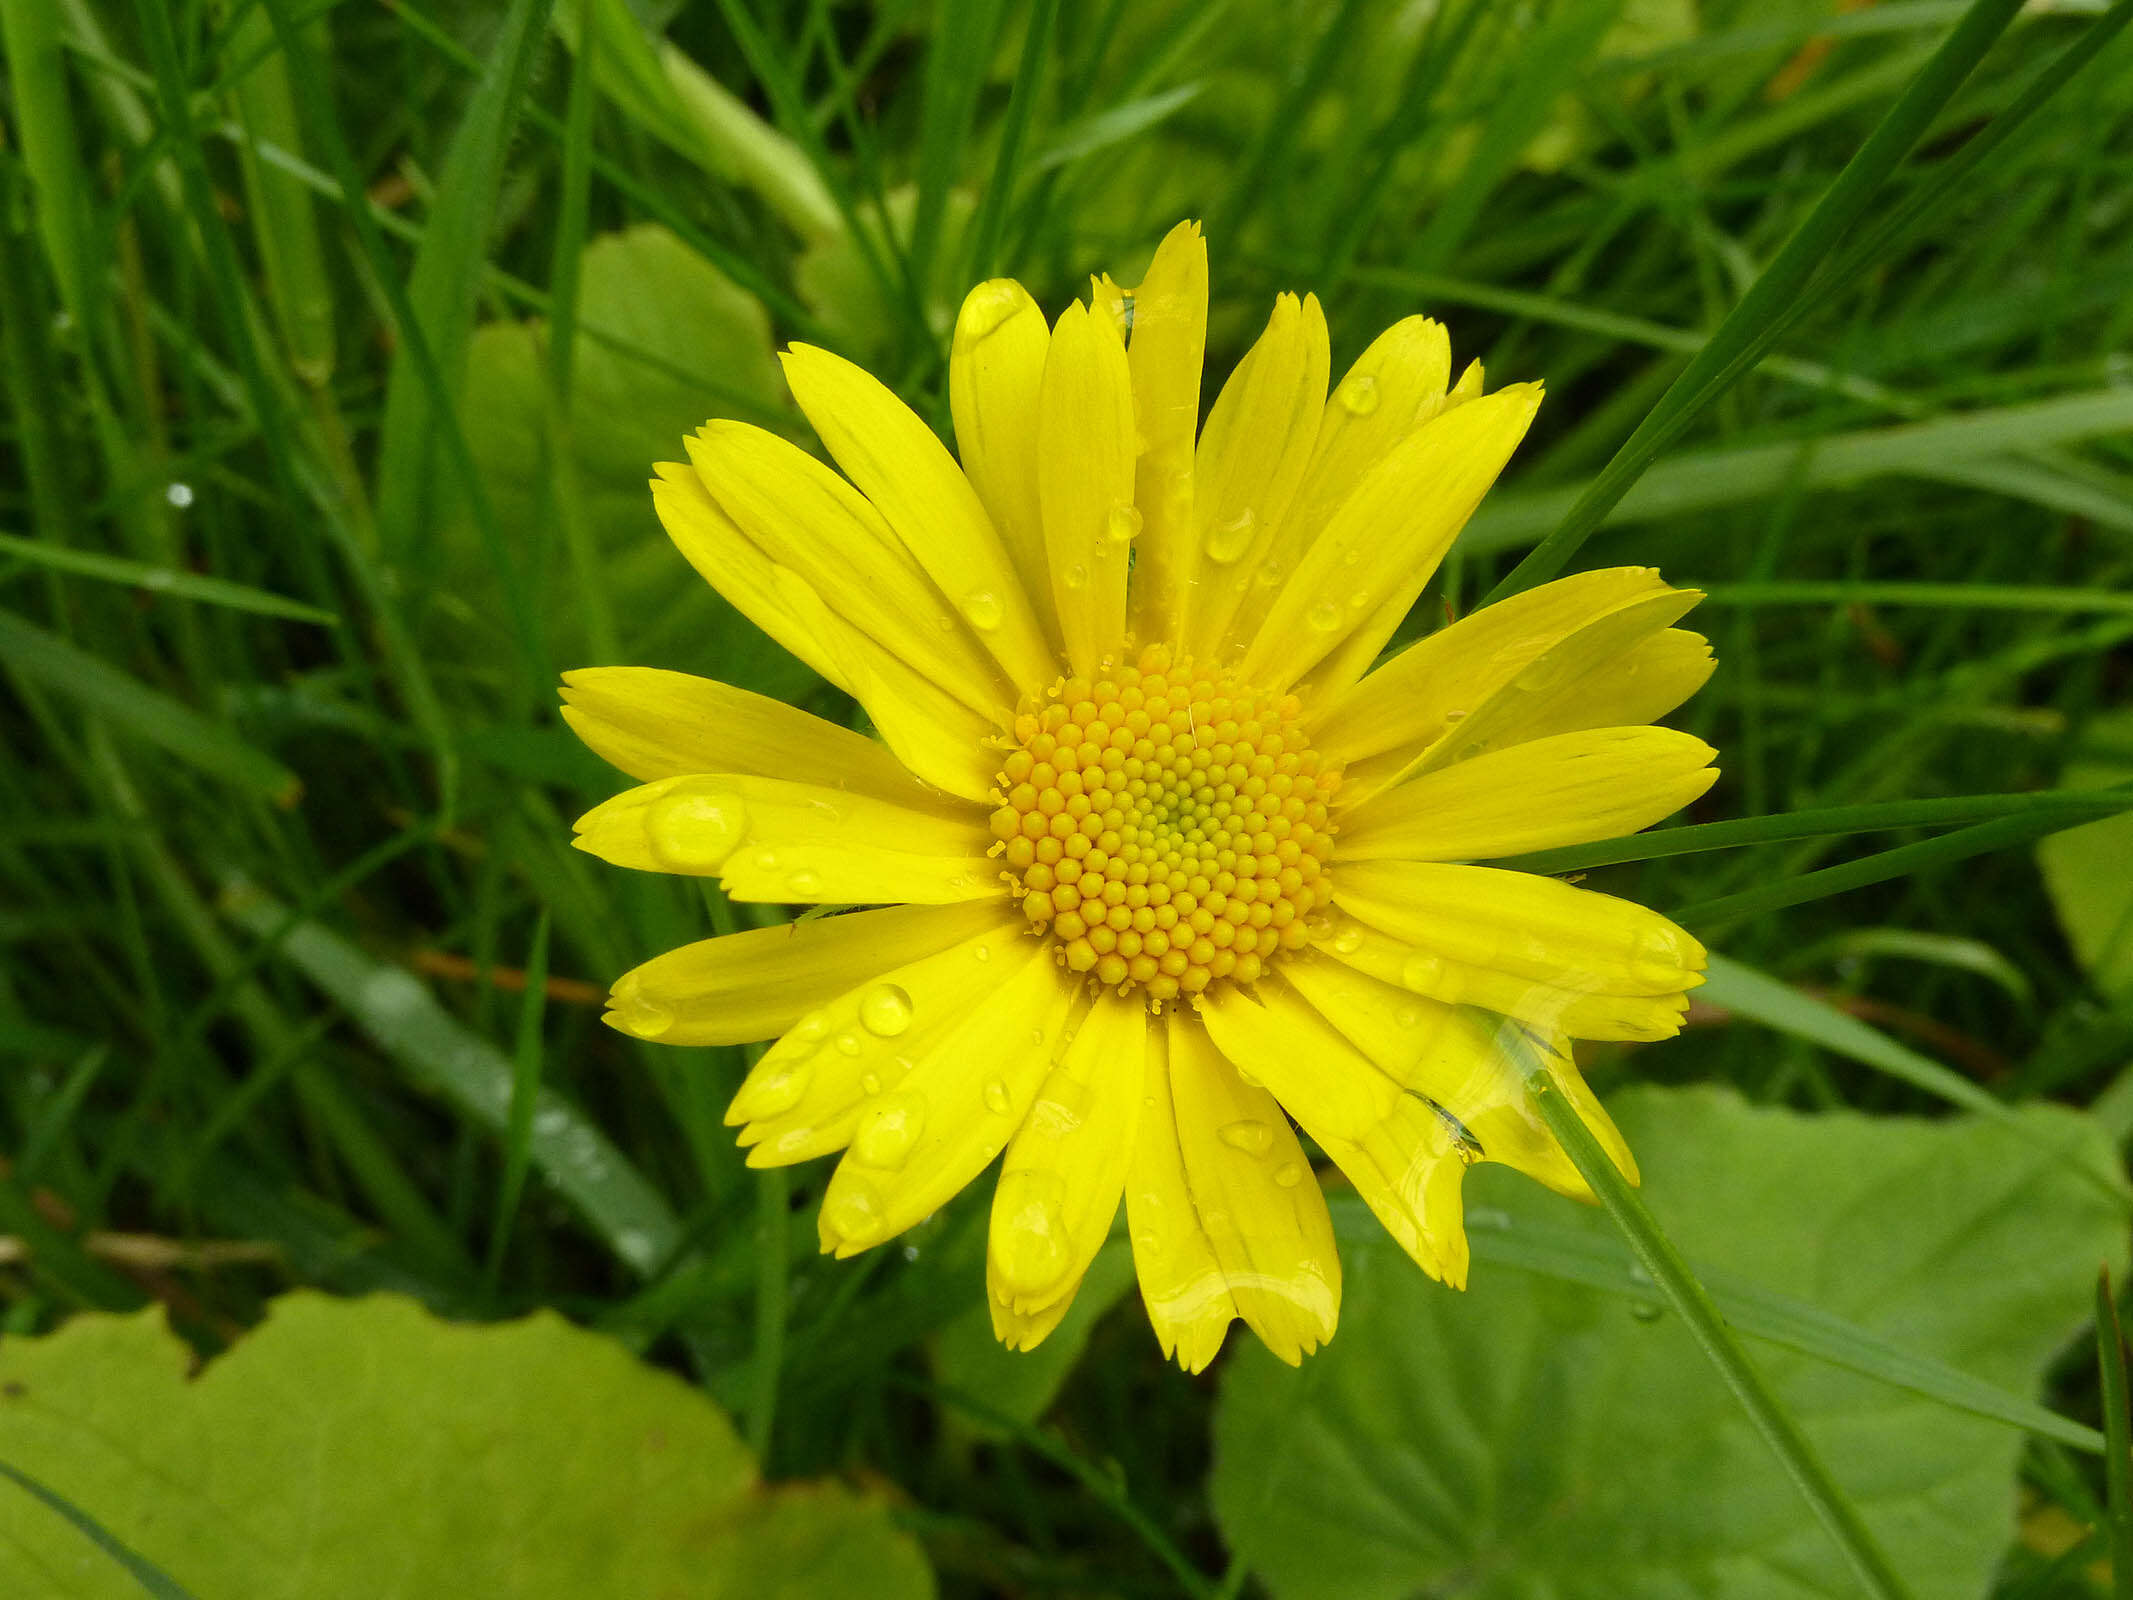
x: 1162, y: 865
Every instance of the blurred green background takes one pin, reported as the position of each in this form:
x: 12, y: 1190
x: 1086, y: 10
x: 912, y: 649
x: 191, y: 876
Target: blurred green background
x: 339, y: 340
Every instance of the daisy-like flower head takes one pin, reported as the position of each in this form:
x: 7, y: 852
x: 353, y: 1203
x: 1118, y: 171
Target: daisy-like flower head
x: 1163, y: 866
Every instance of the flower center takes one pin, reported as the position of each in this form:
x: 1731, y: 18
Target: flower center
x: 1165, y: 825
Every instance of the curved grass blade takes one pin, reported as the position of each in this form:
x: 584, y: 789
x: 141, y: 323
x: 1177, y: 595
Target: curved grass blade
x: 152, y: 1578
x: 163, y: 580
x: 2118, y: 1430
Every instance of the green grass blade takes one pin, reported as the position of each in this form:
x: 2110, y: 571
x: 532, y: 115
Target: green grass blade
x: 153, y: 1579
x: 2118, y: 1434
x: 400, y: 1016
x: 1827, y: 822
x: 525, y: 1098
x: 990, y: 224
x: 172, y: 581
x: 1983, y: 596
x: 1777, y: 287
x: 957, y: 57
x: 1706, y: 1324
x: 146, y: 713
x: 43, y: 126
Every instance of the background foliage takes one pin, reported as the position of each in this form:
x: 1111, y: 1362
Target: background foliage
x: 338, y: 342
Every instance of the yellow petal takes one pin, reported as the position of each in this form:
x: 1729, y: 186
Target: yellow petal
x: 1026, y: 1330
x: 1540, y: 698
x: 1252, y: 456
x: 995, y: 372
x: 1256, y: 1196
x: 734, y: 566
x: 755, y: 985
x: 1166, y: 353
x: 1066, y: 1169
x: 1398, y: 1151
x: 1445, y: 1054
x: 1581, y: 1012
x: 1182, y: 1285
x: 1413, y: 698
x: 1524, y: 925
x: 1394, y: 387
x: 1643, y: 685
x: 895, y: 460
x: 768, y: 839
x: 957, y: 1108
x: 1085, y: 483
x: 1390, y: 533
x: 654, y: 724
x: 841, y: 1066
x: 1569, y: 788
x: 809, y: 520
x: 938, y: 737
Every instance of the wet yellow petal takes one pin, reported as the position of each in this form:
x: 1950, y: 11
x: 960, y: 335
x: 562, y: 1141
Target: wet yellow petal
x: 842, y: 1064
x: 1393, y: 388
x: 1166, y: 352
x: 1398, y: 1151
x: 1524, y: 925
x: 995, y: 372
x: 1570, y: 788
x: 895, y: 460
x: 769, y: 839
x: 1026, y: 1330
x: 1416, y: 696
x: 809, y: 520
x: 1085, y: 483
x: 1066, y: 1168
x: 1574, y: 1003
x: 1258, y: 1200
x: 1642, y: 685
x: 732, y: 564
x: 755, y: 985
x: 935, y: 735
x: 1390, y: 533
x: 1182, y: 1285
x: 1253, y: 454
x: 956, y: 1109
x: 1540, y: 699
x: 655, y: 724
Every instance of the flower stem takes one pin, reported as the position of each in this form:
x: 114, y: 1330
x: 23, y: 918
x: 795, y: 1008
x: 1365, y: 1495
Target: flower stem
x: 1689, y: 1298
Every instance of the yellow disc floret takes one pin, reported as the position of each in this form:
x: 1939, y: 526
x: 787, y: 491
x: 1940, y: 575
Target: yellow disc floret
x: 1165, y: 825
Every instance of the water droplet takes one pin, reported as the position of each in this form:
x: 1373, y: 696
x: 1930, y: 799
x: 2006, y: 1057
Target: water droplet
x: 1325, y: 616
x: 997, y: 1099
x: 1029, y: 1232
x: 1289, y: 1174
x: 1638, y: 1275
x: 645, y: 1018
x: 1147, y: 1241
x: 983, y: 952
x: 1226, y: 541
x: 1077, y: 576
x: 988, y: 306
x: 695, y: 831
x: 888, y: 1131
x: 1646, y: 1310
x: 1348, y: 940
x: 1250, y: 1135
x: 852, y: 1213
x: 1061, y: 1104
x: 1421, y: 972
x: 1408, y: 1016
x: 984, y: 610
x: 803, y: 884
x: 1123, y: 525
x: 179, y: 495
x: 1539, y: 675
x: 849, y: 1043
x: 809, y: 1028
x: 1359, y: 394
x: 870, y: 1082
x: 774, y: 1088
x: 885, y: 1010
x: 1247, y: 1079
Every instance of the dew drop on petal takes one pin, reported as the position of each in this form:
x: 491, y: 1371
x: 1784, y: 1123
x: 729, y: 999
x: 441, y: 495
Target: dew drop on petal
x: 1029, y: 1232
x: 852, y: 1214
x: 695, y: 832
x: 774, y: 1088
x: 1289, y: 1174
x: 1420, y: 971
x: 1250, y: 1135
x: 645, y: 1018
x: 1325, y: 617
x: 885, y: 1010
x: 989, y: 305
x: 1348, y: 940
x: 1226, y: 541
x: 984, y: 610
x: 1076, y: 576
x: 1359, y: 394
x: 1123, y: 525
x: 803, y: 884
x: 888, y: 1131
x: 997, y: 1099
x: 849, y: 1043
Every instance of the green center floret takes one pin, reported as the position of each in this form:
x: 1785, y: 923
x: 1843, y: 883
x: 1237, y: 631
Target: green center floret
x: 1165, y: 825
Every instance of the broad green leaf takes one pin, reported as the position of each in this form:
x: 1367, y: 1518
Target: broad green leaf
x: 362, y: 1448
x: 1536, y: 1438
x: 1023, y: 1384
x: 2089, y: 871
